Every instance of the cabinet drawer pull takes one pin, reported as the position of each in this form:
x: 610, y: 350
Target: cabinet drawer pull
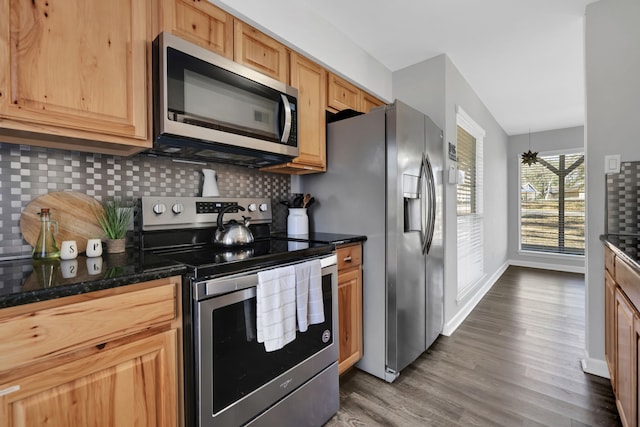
x: 347, y: 259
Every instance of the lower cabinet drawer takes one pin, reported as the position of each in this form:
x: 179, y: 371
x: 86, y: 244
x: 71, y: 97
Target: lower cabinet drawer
x: 349, y: 256
x: 83, y: 320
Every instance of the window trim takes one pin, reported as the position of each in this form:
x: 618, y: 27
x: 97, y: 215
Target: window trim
x: 466, y: 122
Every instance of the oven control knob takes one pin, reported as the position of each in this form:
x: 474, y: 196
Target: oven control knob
x: 263, y: 207
x: 159, y: 208
x: 252, y: 207
x: 177, y: 208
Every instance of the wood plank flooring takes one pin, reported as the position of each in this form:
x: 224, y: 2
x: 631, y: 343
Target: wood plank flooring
x: 515, y: 361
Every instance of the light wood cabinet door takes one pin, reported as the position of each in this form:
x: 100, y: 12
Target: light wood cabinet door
x: 260, y: 52
x: 200, y: 22
x: 310, y: 80
x: 349, y: 305
x: 130, y: 385
x: 342, y: 95
x: 349, y: 318
x: 626, y: 363
x: 75, y: 69
x: 610, y: 326
x: 369, y: 102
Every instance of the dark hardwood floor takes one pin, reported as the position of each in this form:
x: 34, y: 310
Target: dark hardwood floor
x: 515, y: 361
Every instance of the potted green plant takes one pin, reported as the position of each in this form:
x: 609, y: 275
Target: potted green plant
x: 114, y: 220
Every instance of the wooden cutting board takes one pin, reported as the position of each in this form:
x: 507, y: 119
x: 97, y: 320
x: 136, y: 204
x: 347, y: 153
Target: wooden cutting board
x: 74, y: 213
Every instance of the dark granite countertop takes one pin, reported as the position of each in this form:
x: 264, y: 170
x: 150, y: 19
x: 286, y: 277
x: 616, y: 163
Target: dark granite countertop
x: 332, y: 238
x: 626, y: 246
x: 24, y: 281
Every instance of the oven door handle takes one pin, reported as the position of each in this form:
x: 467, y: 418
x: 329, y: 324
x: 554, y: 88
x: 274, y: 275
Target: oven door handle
x: 225, y: 285
x: 225, y: 300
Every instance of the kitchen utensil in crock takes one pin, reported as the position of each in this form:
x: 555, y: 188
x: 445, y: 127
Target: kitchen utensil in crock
x: 232, y: 233
x: 310, y: 202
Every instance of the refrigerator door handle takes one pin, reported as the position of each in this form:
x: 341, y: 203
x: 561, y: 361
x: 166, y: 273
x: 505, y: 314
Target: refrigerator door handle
x: 424, y: 223
x: 429, y: 200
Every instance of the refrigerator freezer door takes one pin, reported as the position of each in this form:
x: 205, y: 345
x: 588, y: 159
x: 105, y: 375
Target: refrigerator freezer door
x: 406, y: 282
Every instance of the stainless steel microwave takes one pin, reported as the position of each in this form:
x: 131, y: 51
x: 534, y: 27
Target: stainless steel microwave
x: 207, y: 107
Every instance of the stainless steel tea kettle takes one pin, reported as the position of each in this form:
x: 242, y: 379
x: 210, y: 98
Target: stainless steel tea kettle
x: 233, y: 233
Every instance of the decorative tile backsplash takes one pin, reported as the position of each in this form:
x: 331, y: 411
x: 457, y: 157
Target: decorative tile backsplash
x: 27, y: 172
x: 623, y: 198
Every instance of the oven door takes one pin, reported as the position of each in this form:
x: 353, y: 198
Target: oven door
x: 236, y: 378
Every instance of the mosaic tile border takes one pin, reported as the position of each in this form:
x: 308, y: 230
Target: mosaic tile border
x: 27, y: 172
x: 623, y: 198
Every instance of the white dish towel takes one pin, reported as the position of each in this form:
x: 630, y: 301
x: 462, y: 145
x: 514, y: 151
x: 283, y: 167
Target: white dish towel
x: 276, y: 307
x: 309, y: 303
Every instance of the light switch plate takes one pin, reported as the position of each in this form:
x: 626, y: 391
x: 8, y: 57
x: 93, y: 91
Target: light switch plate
x: 453, y: 175
x: 612, y: 163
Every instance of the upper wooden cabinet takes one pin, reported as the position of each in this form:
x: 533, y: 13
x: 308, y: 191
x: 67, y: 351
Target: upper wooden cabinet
x: 343, y: 95
x: 369, y: 102
x: 73, y: 74
x: 310, y: 80
x: 200, y: 22
x: 260, y: 52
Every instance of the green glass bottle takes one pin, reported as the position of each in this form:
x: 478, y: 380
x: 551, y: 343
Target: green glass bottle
x: 45, y: 247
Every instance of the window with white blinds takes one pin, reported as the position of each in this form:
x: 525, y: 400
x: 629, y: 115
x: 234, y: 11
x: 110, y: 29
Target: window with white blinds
x: 469, y: 204
x: 552, y: 215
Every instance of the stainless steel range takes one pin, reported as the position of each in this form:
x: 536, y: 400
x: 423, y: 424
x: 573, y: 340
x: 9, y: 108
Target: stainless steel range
x: 230, y: 377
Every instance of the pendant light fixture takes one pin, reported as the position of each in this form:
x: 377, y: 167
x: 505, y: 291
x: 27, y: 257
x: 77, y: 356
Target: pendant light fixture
x: 530, y: 157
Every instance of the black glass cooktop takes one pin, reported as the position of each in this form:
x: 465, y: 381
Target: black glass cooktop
x: 208, y: 261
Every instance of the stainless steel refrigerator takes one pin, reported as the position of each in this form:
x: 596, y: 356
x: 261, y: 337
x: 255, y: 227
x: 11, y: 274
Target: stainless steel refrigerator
x: 384, y: 180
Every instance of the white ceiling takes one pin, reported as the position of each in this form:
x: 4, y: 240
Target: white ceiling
x: 524, y: 58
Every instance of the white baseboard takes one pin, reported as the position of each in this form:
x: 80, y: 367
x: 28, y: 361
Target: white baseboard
x: 546, y: 266
x: 452, y: 325
x: 595, y: 366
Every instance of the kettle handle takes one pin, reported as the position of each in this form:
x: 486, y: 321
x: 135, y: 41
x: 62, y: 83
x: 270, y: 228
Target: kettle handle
x: 219, y: 223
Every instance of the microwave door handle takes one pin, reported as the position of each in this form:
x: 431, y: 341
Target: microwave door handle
x: 287, y: 119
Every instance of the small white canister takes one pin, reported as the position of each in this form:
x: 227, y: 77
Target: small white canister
x: 298, y: 222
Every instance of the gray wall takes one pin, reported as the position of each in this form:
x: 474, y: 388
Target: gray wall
x: 548, y: 141
x: 309, y: 34
x: 436, y: 87
x: 612, y: 61
x: 28, y: 172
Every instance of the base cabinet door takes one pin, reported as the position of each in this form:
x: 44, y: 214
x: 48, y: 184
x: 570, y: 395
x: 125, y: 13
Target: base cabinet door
x: 132, y: 384
x: 610, y: 326
x: 349, y: 306
x: 349, y: 297
x: 626, y: 363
